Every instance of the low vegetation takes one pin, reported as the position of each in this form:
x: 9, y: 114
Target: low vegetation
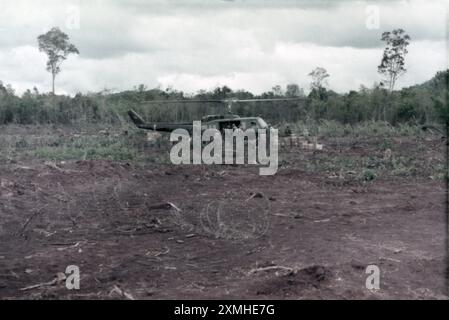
x: 378, y: 122
x: 425, y: 103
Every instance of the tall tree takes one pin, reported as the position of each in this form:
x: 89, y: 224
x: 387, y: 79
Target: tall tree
x: 392, y: 65
x: 277, y: 91
x: 318, y: 76
x: 317, y: 94
x: 57, y: 47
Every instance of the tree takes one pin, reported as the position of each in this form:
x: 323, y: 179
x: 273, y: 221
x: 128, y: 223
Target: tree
x: 57, y: 47
x: 318, y: 76
x: 277, y: 91
x: 392, y: 65
x: 142, y: 88
x: 293, y: 90
x: 221, y: 92
x: 440, y: 97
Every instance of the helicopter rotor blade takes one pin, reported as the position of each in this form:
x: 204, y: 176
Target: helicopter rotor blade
x: 182, y: 101
x: 268, y: 99
x: 224, y: 100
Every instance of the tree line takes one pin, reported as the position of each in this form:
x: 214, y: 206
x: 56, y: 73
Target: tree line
x: 425, y: 103
x: 419, y: 104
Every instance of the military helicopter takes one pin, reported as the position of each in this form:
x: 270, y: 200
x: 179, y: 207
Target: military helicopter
x: 216, y: 121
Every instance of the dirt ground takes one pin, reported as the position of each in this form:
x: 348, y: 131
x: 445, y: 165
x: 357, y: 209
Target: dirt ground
x: 206, y: 232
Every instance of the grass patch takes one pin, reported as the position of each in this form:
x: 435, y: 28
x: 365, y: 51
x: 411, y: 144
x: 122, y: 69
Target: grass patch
x: 118, y: 153
x: 333, y: 129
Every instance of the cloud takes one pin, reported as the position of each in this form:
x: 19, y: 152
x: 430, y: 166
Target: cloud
x: 198, y: 44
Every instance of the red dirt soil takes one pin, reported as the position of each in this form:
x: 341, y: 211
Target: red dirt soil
x: 202, y: 232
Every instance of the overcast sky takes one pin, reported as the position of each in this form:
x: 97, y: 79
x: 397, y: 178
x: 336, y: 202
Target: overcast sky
x: 200, y: 44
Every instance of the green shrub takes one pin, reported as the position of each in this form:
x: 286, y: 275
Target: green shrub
x: 368, y: 175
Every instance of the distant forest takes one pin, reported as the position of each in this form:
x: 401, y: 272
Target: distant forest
x: 419, y: 104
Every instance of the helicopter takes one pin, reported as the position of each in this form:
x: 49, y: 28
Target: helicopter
x: 219, y: 122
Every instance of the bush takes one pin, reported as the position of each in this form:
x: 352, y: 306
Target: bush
x: 368, y: 175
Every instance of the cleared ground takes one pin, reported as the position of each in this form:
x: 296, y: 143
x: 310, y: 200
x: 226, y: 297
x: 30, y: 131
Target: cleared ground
x: 160, y: 231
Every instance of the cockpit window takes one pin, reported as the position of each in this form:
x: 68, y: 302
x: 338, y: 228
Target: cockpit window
x: 229, y: 125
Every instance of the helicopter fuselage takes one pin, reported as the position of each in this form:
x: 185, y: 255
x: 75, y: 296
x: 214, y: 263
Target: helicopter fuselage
x: 218, y: 122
